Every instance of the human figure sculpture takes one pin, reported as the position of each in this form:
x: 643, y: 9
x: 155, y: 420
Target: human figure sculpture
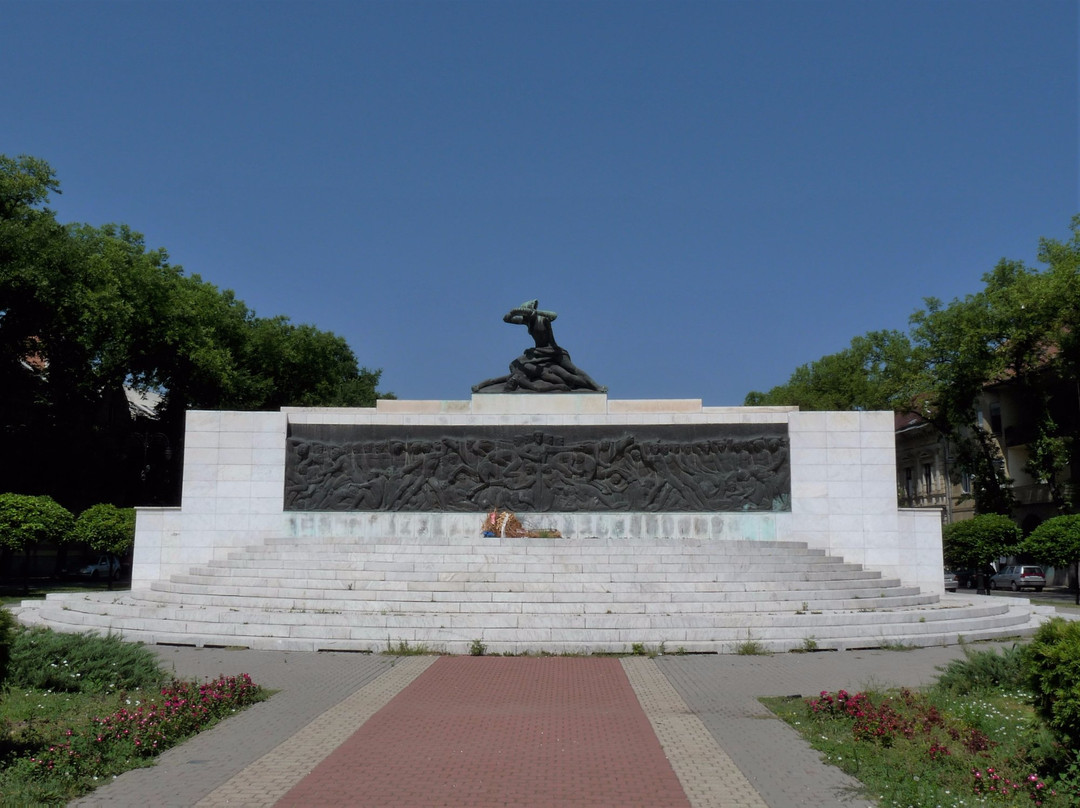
x: 544, y: 368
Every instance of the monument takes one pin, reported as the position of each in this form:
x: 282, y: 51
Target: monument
x: 642, y: 521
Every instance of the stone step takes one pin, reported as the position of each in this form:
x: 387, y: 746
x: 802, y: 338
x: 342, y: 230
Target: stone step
x: 637, y: 544
x: 543, y: 602
x: 556, y: 580
x: 542, y: 591
x: 364, y: 562
x: 753, y: 603
x: 136, y: 605
x: 468, y: 553
x: 593, y: 633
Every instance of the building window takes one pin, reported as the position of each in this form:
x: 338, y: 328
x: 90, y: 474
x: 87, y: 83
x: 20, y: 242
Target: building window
x: 995, y: 417
x: 928, y: 478
x: 965, y: 483
x: 909, y: 483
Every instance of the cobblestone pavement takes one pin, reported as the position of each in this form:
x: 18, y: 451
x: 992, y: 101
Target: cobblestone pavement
x: 335, y: 713
x: 553, y: 731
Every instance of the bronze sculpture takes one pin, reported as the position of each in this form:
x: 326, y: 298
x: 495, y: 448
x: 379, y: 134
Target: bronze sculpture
x: 544, y: 368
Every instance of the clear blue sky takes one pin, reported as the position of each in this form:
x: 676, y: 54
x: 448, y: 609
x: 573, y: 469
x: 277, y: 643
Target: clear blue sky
x: 708, y: 193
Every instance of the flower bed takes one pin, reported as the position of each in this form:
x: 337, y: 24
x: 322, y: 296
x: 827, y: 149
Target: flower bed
x: 48, y: 761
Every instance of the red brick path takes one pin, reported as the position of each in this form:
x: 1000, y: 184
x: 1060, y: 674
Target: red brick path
x: 487, y: 731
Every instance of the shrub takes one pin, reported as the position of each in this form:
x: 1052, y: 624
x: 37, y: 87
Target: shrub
x: 983, y: 671
x: 1053, y: 664
x: 50, y: 660
x: 106, y: 528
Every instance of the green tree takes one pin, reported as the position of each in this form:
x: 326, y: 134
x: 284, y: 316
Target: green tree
x: 874, y: 373
x: 87, y: 311
x: 107, y: 529
x: 979, y: 541
x: 26, y: 521
x: 956, y: 346
x: 1056, y: 542
x: 1018, y: 331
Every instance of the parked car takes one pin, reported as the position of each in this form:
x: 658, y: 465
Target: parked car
x: 950, y: 581
x: 968, y: 577
x: 104, y: 567
x: 1018, y: 577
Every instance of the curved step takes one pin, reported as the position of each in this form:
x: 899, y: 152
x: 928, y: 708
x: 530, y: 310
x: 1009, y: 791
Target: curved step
x: 530, y: 595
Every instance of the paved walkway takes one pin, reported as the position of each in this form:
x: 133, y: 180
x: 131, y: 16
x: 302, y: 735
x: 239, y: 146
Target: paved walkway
x: 352, y: 729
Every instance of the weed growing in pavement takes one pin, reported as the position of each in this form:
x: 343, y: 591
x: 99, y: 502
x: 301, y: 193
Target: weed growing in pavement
x: 404, y: 649
x: 896, y: 645
x: 750, y: 647
x: 477, y: 648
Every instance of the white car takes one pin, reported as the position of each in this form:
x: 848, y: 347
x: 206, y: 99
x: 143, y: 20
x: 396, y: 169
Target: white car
x: 950, y: 581
x: 104, y: 567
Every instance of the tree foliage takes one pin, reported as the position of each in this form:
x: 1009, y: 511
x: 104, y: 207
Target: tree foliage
x: 28, y: 520
x: 978, y: 541
x: 1056, y: 542
x: 873, y: 373
x: 86, y: 311
x: 106, y: 528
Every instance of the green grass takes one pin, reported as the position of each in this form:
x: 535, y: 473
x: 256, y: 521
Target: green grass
x: 34, y: 720
x: 941, y: 746
x: 1059, y: 604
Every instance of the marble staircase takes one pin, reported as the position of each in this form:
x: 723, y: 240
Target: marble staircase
x: 530, y: 595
